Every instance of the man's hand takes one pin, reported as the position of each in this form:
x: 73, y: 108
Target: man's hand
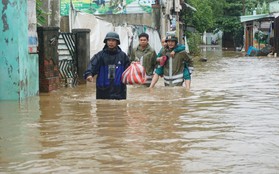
x: 191, y: 69
x: 172, y: 54
x: 89, y: 78
x: 158, y: 59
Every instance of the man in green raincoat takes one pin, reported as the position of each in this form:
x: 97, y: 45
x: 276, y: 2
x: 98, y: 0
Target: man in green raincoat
x: 177, y: 68
x: 146, y: 56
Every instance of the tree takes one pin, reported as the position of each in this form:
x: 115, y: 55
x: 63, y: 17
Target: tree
x: 202, y: 19
x: 230, y: 24
x: 222, y: 15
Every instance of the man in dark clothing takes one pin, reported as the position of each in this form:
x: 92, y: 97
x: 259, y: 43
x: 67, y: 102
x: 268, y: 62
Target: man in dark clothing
x: 108, y: 65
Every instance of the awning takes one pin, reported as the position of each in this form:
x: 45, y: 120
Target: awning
x: 255, y: 17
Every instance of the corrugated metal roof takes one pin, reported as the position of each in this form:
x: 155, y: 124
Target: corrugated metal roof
x: 254, y: 17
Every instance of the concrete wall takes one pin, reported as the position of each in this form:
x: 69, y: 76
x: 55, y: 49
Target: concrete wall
x: 136, y: 19
x: 116, y: 20
x: 154, y: 20
x: 18, y: 68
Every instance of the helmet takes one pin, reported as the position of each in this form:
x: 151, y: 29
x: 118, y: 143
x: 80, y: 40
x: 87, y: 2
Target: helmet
x: 171, y: 37
x: 112, y: 35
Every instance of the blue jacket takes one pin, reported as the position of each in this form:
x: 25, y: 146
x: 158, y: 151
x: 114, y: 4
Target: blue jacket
x: 108, y: 66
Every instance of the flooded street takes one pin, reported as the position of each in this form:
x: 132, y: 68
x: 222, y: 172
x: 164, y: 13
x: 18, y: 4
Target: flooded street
x: 227, y: 123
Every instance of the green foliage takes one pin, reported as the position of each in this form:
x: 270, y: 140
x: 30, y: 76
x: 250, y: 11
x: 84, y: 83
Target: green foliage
x: 217, y: 7
x: 260, y: 6
x: 222, y: 15
x: 194, y: 41
x: 41, y: 14
x: 230, y: 24
x: 233, y: 9
x: 202, y: 19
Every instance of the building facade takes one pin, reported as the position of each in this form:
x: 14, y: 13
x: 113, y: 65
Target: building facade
x: 18, y: 54
x: 262, y: 29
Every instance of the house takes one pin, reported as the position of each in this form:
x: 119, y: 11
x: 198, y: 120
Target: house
x: 18, y: 54
x: 262, y: 29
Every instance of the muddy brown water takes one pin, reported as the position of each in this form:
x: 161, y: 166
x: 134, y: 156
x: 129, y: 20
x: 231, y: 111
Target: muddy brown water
x: 227, y: 123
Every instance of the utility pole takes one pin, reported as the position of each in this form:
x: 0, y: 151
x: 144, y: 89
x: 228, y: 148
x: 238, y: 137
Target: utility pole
x: 156, y: 16
x: 170, y: 9
x: 55, y: 14
x: 177, y: 8
x: 52, y: 9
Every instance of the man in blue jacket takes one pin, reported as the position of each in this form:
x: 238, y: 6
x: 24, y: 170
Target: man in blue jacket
x: 108, y: 65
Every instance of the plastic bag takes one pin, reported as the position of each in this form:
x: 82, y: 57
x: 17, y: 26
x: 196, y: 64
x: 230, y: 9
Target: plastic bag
x: 163, y: 60
x: 134, y: 74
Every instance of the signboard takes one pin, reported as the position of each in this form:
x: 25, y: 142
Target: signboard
x: 107, y: 6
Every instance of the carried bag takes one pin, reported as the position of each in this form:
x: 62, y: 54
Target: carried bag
x: 163, y: 60
x: 134, y: 74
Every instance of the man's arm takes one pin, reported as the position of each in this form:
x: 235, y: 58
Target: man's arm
x: 92, y: 68
x: 160, y: 53
x: 132, y: 56
x: 189, y: 62
x: 155, y: 79
x: 154, y: 59
x: 127, y: 61
x: 178, y: 48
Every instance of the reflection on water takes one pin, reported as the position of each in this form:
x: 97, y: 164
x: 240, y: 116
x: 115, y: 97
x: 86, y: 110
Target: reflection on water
x: 228, y: 123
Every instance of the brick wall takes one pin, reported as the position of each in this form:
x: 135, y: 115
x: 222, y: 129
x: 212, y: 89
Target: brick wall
x: 48, y: 59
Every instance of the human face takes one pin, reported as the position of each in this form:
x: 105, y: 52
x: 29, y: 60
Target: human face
x: 112, y: 43
x: 143, y: 41
x: 164, y: 43
x: 171, y: 44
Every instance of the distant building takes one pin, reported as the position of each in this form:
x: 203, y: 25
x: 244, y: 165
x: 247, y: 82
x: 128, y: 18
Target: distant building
x: 262, y: 29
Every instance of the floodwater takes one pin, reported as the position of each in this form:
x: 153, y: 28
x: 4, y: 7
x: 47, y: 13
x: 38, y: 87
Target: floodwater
x: 227, y: 123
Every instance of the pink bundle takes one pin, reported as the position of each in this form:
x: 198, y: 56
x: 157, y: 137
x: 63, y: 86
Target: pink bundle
x: 163, y: 60
x: 134, y: 74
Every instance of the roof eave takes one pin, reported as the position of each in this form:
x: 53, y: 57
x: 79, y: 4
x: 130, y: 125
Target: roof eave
x: 259, y: 17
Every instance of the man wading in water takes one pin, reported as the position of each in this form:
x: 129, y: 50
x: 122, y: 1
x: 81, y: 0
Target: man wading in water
x: 177, y: 69
x: 146, y: 56
x: 108, y: 65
